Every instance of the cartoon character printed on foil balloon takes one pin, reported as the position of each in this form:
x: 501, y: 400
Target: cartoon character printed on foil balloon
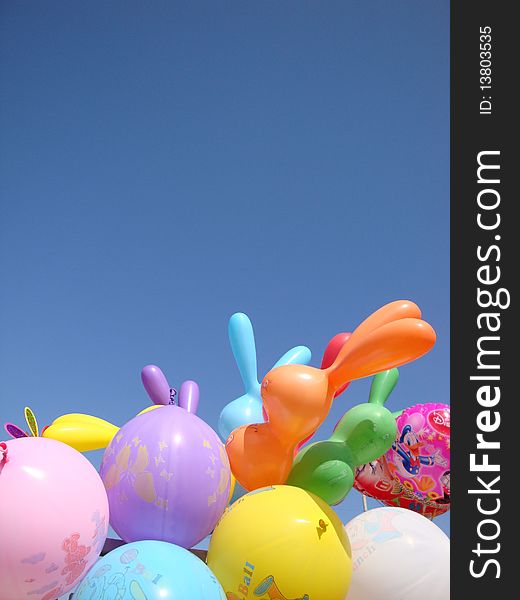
x: 419, y: 461
x: 415, y: 472
x: 409, y: 450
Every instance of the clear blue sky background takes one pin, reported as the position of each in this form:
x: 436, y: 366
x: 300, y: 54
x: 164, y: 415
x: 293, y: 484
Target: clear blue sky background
x: 165, y: 164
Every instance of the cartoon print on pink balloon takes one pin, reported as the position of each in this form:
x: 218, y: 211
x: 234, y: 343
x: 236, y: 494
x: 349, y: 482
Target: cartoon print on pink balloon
x: 375, y: 480
x: 75, y: 562
x: 420, y: 456
x: 409, y: 449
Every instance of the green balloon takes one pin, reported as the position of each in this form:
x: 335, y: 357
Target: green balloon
x: 363, y: 434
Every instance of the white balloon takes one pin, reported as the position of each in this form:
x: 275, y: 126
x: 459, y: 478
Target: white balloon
x: 398, y: 554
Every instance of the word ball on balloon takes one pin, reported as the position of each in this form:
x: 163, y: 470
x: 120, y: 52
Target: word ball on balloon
x: 281, y: 542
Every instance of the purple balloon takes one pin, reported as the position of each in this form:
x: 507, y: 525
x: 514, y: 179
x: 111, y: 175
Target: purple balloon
x: 167, y: 477
x: 156, y: 384
x: 189, y: 396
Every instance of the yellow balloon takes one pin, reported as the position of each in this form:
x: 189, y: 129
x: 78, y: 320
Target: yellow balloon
x: 148, y: 408
x: 281, y: 543
x: 82, y: 432
x: 232, y: 484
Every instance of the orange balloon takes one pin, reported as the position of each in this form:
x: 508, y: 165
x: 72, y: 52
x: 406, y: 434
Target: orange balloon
x: 298, y: 398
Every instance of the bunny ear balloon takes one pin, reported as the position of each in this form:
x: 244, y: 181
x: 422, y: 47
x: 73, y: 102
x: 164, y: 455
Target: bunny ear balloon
x: 31, y: 421
x: 329, y: 356
x: 86, y: 432
x: 248, y: 407
x: 363, y: 434
x: 298, y: 398
x: 331, y: 352
x: 16, y: 432
x: 189, y: 396
x: 156, y: 385
x: 160, y: 392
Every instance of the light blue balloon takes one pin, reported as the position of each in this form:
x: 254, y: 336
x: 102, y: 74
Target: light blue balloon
x: 248, y: 408
x: 149, y: 570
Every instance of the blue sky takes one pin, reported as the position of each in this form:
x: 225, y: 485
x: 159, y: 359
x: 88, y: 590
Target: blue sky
x: 165, y: 164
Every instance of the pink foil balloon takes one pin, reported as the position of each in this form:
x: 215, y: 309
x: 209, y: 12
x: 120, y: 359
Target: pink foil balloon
x: 420, y: 456
x: 415, y: 472
x: 53, y: 518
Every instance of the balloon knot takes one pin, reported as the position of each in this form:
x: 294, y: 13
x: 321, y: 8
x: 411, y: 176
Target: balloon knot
x: 3, y: 452
x: 173, y: 393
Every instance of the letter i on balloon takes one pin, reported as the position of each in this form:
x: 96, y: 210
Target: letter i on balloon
x: 298, y: 398
x: 248, y: 407
x: 362, y: 435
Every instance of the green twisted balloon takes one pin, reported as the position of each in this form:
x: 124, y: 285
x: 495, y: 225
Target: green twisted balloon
x: 364, y: 434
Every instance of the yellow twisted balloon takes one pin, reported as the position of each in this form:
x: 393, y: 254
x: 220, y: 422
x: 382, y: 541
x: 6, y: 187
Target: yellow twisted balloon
x: 84, y: 432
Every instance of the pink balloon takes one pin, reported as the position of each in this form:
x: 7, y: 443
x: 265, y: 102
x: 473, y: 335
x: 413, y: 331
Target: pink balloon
x: 420, y: 458
x: 415, y: 472
x: 53, y: 518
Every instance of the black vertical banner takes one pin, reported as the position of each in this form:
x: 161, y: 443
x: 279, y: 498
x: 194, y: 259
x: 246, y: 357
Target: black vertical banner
x: 484, y: 257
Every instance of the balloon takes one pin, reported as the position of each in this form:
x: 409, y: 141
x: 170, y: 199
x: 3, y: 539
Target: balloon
x: 329, y: 356
x: 156, y: 385
x: 189, y: 396
x: 298, y: 398
x: 82, y: 432
x: 167, y: 477
x: 283, y: 543
x: 398, y: 555
x: 149, y: 570
x: 232, y: 487
x: 31, y: 421
x: 248, y: 408
x: 85, y: 432
x: 238, y: 491
x: 331, y: 352
x: 147, y: 409
x: 375, y: 480
x: 16, y: 432
x: 420, y: 458
x: 363, y: 434
x: 53, y: 518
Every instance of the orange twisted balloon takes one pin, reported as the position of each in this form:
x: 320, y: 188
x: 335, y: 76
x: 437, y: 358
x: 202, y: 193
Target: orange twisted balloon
x: 298, y: 398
